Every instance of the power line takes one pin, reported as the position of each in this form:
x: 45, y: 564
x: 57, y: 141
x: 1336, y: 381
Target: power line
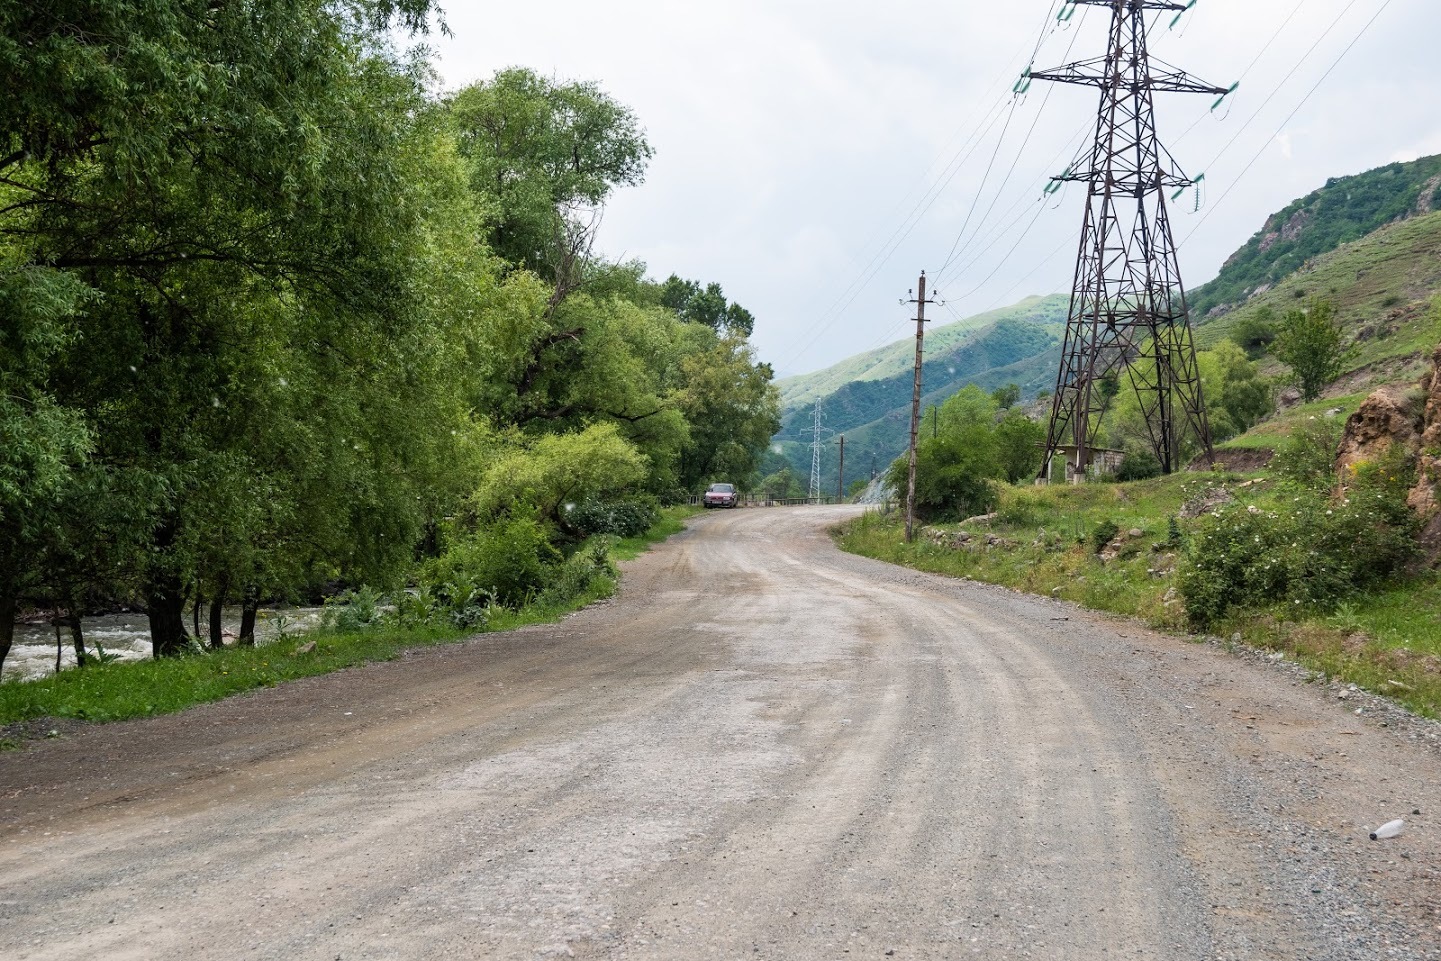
x: 1289, y: 117
x: 941, y: 274
x: 888, y: 249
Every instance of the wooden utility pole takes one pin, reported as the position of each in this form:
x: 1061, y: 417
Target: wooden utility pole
x: 841, y: 484
x: 920, y: 301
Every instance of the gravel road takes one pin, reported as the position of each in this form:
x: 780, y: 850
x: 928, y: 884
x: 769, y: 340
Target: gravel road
x: 762, y: 749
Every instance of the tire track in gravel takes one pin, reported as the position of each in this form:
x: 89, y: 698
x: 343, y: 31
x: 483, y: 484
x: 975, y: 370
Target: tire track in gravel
x: 762, y: 748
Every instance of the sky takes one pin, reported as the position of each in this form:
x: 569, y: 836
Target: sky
x: 814, y: 157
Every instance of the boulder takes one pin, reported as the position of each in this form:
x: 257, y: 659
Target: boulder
x: 1288, y: 398
x: 1390, y: 416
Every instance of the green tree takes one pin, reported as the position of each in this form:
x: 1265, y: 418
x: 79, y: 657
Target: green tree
x: 1312, y: 343
x: 1020, y: 446
x: 707, y: 306
x: 1007, y: 397
x: 956, y: 469
x: 545, y: 474
x: 1256, y: 332
x: 41, y: 441
x: 546, y: 155
x: 1237, y: 396
x: 733, y: 409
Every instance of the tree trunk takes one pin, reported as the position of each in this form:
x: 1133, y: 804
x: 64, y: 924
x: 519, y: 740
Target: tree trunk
x: 59, y: 644
x: 7, y: 617
x: 165, y: 603
x: 249, y: 604
x: 217, y: 630
x: 73, y: 611
x: 195, y: 614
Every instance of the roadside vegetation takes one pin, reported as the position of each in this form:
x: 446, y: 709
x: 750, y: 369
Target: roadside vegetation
x: 361, y: 629
x: 1295, y: 560
x: 341, y: 337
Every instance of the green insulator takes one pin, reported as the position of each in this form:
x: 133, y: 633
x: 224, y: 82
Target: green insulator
x: 1222, y: 99
x: 1189, y: 7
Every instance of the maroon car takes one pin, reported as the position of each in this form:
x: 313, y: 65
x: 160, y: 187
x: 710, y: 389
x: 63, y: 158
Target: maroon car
x: 722, y: 495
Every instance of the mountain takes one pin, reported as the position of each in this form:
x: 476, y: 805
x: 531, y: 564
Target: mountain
x: 900, y: 357
x: 868, y: 398
x: 1343, y: 211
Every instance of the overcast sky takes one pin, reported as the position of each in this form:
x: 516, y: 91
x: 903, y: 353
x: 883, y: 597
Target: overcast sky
x: 793, y: 138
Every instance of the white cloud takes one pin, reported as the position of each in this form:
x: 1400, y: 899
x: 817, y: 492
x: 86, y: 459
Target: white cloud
x: 793, y: 136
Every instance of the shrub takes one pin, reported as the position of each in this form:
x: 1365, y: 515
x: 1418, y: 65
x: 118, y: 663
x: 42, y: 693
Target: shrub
x: 623, y: 518
x: 1315, y: 553
x: 352, y: 611
x: 572, y: 579
x: 1307, y: 459
x: 1138, y: 466
x: 1103, y: 534
x: 508, y: 561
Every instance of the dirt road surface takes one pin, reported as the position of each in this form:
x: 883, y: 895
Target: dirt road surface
x: 762, y: 749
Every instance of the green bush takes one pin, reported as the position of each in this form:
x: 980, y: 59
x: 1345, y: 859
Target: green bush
x: 1103, y: 534
x: 1314, y: 553
x: 509, y: 561
x: 1307, y: 459
x: 352, y: 611
x: 623, y: 518
x: 575, y: 577
x: 1138, y: 466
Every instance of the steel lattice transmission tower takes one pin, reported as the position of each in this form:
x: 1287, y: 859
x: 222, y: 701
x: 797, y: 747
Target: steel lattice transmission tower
x: 1128, y: 322
x: 817, y: 433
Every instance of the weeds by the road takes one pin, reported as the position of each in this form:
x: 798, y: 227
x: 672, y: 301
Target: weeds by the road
x: 120, y: 691
x: 1388, y: 642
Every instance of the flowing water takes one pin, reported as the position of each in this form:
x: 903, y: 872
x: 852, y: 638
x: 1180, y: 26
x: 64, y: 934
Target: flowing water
x: 127, y: 636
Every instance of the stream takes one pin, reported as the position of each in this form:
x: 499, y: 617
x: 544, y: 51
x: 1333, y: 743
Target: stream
x: 127, y: 636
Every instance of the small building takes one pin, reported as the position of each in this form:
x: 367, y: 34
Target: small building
x: 1100, y: 462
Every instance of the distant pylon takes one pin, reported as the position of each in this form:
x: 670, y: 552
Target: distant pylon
x: 818, y: 434
x: 1128, y: 319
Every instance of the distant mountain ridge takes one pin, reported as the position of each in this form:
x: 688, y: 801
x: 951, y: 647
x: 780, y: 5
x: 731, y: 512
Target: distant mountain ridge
x: 868, y: 398
x: 900, y: 356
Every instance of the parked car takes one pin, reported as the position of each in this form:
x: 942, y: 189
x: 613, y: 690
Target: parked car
x: 722, y: 495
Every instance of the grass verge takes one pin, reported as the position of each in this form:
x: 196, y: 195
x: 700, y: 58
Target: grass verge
x: 1388, y: 643
x: 117, y: 692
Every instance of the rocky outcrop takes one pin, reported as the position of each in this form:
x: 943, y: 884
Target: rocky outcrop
x: 1426, y: 497
x: 1288, y: 231
x: 1390, y: 416
x: 1397, y: 415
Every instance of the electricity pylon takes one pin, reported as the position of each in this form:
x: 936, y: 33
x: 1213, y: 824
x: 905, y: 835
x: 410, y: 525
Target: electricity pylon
x: 818, y: 434
x: 1128, y: 317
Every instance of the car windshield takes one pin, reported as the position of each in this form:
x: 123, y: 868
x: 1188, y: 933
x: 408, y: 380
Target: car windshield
x: 722, y: 489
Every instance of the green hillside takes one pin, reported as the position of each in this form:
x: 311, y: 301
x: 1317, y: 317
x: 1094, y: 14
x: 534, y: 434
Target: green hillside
x: 875, y: 415
x: 1344, y: 210
x: 899, y: 357
x: 1382, y: 284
